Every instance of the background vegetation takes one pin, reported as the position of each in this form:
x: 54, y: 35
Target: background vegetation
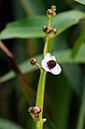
x: 64, y: 105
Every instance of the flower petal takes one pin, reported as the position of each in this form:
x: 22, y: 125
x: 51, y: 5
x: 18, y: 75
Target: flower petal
x: 52, y: 58
x: 47, y: 56
x: 56, y: 70
x: 44, y: 65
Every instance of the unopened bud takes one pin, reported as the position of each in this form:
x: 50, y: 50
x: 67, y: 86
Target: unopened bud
x: 45, y: 28
x: 49, y: 30
x: 53, y: 8
x: 55, y: 31
x: 29, y: 109
x: 33, y: 61
x: 36, y: 110
x: 44, y: 120
x: 53, y: 14
x: 49, y: 13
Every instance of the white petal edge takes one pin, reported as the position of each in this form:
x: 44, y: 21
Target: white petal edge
x: 52, y: 58
x: 47, y: 56
x: 44, y: 65
x: 56, y: 70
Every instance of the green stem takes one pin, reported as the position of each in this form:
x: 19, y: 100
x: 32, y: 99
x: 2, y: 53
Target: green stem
x: 50, y: 45
x: 40, y: 91
x: 46, y: 46
x: 50, y: 22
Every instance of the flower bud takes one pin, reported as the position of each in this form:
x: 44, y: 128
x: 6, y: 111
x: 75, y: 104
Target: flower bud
x: 53, y: 14
x: 36, y: 110
x: 45, y: 28
x: 33, y: 61
x: 49, y: 30
x: 55, y: 31
x: 53, y: 8
x: 49, y: 13
x: 44, y: 120
x: 29, y: 109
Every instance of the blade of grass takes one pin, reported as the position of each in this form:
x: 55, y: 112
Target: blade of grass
x: 78, y: 44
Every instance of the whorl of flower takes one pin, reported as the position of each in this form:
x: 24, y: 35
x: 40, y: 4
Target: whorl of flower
x: 49, y: 64
x: 51, y: 12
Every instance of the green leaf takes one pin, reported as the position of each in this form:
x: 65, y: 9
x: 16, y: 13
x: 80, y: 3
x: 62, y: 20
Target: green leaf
x: 78, y: 44
x: 66, y: 19
x: 74, y: 72
x: 32, y: 27
x: 80, y: 1
x: 63, y: 56
x: 25, y: 28
x: 62, y: 95
x: 5, y: 124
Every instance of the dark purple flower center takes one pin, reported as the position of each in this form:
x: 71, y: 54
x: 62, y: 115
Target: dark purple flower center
x: 51, y: 64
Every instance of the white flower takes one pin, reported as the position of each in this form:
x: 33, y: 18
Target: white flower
x: 49, y: 64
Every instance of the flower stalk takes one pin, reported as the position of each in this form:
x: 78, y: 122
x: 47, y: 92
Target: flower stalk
x: 42, y: 79
x: 46, y: 46
x: 50, y: 22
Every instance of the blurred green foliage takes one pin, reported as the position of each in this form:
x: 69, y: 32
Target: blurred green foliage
x: 64, y: 97
x: 80, y: 1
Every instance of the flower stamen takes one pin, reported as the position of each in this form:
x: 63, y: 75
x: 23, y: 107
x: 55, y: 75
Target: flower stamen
x: 51, y: 64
